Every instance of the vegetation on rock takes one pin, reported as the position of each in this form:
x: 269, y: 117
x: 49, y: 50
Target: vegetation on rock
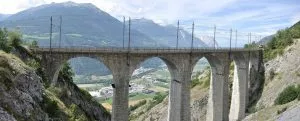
x: 289, y: 94
x: 158, y: 98
x: 139, y: 104
x: 64, y: 102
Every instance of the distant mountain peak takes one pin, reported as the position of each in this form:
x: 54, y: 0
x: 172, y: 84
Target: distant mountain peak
x: 143, y: 20
x: 69, y: 3
x: 73, y: 4
x: 60, y: 9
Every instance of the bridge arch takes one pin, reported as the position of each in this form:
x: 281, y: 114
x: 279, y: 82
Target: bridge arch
x: 172, y: 68
x: 55, y: 63
x: 157, y: 80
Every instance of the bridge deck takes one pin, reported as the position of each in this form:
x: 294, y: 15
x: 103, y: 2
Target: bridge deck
x: 140, y: 50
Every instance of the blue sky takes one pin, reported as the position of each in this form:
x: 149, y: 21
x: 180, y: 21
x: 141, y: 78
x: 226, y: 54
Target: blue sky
x: 261, y: 17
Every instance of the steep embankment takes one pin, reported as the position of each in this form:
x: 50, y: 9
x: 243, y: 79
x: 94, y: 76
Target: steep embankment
x: 24, y: 96
x: 278, y: 101
x: 280, y: 73
x: 75, y: 100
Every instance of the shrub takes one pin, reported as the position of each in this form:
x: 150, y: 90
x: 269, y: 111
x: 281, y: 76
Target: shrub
x: 139, y: 104
x: 33, y: 63
x: 133, y: 94
x: 15, y: 39
x: 281, y: 40
x: 33, y: 44
x: 206, y: 81
x: 66, y: 72
x: 158, y: 98
x: 4, y: 40
x: 39, y: 71
x: 86, y: 94
x: 252, y: 109
x: 272, y: 74
x: 50, y: 106
x: 77, y: 114
x: 287, y: 95
x: 282, y: 110
x: 195, y: 82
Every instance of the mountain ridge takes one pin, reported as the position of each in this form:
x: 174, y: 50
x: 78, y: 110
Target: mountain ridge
x: 82, y: 25
x: 3, y: 16
x: 166, y: 34
x: 85, y: 25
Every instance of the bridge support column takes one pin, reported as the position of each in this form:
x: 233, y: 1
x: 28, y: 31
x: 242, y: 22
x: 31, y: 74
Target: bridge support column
x: 179, y: 97
x: 121, y: 77
x: 120, y: 110
x: 186, y: 95
x: 174, y: 110
x: 239, y: 91
x: 217, y: 109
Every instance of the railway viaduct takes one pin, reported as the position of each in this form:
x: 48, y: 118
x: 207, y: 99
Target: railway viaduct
x: 180, y: 62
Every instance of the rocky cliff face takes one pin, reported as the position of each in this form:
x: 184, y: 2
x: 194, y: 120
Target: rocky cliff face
x: 280, y: 73
x: 23, y: 96
x: 71, y: 95
x: 21, y: 91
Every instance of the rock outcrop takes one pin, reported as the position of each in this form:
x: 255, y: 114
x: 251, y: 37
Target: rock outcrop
x: 24, y: 97
x: 21, y: 91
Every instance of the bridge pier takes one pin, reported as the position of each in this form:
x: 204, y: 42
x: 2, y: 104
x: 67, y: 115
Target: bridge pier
x: 239, y: 90
x: 179, y: 97
x: 120, y: 111
x: 186, y: 96
x: 179, y: 93
x: 120, y: 67
x: 175, y: 99
x: 217, y: 109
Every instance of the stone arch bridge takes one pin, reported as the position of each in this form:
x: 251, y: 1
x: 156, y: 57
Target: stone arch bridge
x: 180, y: 62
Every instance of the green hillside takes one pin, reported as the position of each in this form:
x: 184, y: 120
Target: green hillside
x: 281, y: 40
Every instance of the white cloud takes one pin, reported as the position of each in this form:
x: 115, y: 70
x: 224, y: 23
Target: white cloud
x: 13, y: 6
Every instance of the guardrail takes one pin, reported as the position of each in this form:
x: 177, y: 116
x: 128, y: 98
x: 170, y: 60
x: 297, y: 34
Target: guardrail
x: 139, y: 49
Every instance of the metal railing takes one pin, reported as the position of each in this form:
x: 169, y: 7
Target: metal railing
x: 82, y: 49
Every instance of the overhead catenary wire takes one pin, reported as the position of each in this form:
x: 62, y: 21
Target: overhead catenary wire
x: 198, y: 30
